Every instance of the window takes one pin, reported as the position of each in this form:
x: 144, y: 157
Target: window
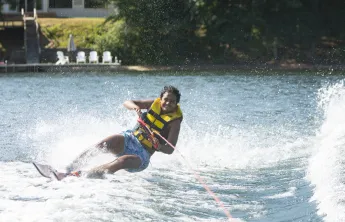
x: 30, y: 4
x: 60, y: 3
x: 39, y: 4
x: 95, y: 4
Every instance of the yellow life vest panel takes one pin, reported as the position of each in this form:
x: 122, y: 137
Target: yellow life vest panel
x: 155, y: 121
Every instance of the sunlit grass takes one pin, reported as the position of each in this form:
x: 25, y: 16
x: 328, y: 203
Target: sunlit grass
x: 84, y: 31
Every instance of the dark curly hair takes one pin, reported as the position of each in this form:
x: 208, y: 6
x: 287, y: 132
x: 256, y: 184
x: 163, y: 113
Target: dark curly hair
x: 171, y: 89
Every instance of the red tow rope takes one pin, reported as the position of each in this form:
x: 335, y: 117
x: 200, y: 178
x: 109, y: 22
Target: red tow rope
x: 196, y: 174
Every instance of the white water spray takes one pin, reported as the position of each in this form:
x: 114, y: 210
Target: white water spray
x: 327, y: 165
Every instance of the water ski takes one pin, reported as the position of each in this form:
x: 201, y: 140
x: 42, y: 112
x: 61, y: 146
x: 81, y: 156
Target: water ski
x: 49, y: 172
x: 46, y: 170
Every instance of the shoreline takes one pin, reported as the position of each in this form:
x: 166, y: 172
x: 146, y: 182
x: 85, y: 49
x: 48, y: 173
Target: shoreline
x: 230, y: 67
x: 47, y: 67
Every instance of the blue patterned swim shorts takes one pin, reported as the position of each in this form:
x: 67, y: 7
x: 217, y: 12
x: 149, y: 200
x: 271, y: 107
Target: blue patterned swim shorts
x: 134, y: 147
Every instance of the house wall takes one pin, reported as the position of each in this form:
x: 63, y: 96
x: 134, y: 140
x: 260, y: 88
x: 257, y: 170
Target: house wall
x: 81, y: 12
x: 77, y: 10
x: 6, y: 9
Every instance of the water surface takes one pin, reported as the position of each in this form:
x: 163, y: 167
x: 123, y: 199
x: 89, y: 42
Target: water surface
x: 269, y: 146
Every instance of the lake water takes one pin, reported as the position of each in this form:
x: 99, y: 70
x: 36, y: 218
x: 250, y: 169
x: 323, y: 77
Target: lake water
x: 271, y: 147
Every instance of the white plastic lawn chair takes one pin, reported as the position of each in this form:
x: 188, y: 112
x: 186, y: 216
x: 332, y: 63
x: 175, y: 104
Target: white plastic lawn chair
x: 93, y: 57
x: 62, y: 59
x: 81, y: 57
x: 107, y: 58
x: 117, y: 62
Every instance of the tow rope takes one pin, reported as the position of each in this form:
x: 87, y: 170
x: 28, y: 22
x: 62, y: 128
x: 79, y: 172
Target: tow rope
x: 196, y: 174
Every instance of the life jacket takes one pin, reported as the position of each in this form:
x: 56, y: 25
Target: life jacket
x: 155, y: 122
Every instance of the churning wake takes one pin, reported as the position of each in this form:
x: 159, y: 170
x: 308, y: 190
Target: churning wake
x: 327, y: 164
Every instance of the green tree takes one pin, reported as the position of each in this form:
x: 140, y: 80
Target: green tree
x: 223, y: 31
x: 156, y: 31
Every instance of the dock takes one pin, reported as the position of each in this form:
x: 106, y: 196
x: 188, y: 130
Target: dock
x: 113, y: 67
x: 72, y: 67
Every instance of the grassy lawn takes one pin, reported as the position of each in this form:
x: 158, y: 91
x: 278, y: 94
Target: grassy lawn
x: 56, y: 31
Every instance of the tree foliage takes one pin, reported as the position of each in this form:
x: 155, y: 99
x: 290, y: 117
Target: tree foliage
x: 223, y: 31
x: 156, y: 31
